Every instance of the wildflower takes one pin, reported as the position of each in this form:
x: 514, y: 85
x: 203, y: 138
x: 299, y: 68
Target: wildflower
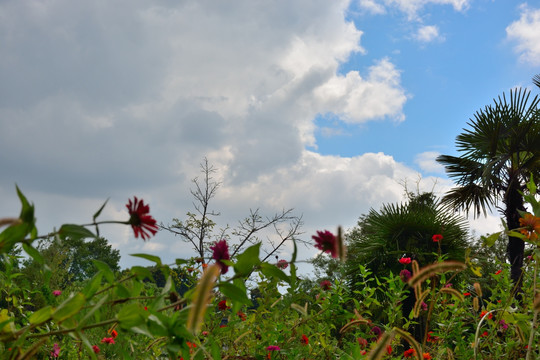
x: 431, y: 338
x: 221, y: 252
x: 273, y: 348
x: 146, y: 308
x: 55, y: 351
x: 241, y: 315
x: 490, y: 316
x: 376, y: 330
x: 409, y: 353
x: 114, y: 334
x: 140, y: 219
x: 363, y: 352
x: 304, y: 340
x: 325, y: 285
x: 191, y: 345
x: 362, y: 342
x: 222, y: 305
x: 282, y: 264
x: 484, y: 334
x: 57, y: 292
x: 449, y: 285
x: 424, y: 306
x: 405, y: 275
x: 190, y: 269
x: 503, y: 324
x: 107, y: 340
x: 405, y: 260
x: 467, y: 294
x: 222, y: 326
x: 389, y: 349
x: 204, y: 266
x: 437, y: 238
x: 96, y: 349
x: 426, y: 356
x: 205, y: 333
x: 327, y: 242
x: 531, y: 225
x: 498, y: 272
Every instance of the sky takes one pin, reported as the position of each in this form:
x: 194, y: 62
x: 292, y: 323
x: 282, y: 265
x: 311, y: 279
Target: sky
x: 327, y: 107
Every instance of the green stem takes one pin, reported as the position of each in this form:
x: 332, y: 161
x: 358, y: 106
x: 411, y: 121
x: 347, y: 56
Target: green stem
x: 535, y: 315
x: 65, y: 331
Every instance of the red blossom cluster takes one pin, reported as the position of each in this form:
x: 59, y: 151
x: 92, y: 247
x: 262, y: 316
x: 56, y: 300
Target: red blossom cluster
x: 140, y: 219
x: 327, y: 242
x: 221, y: 252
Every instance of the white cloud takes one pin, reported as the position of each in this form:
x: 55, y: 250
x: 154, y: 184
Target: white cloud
x: 372, y: 6
x: 427, y: 163
x: 410, y: 7
x: 428, y: 33
x: 526, y: 33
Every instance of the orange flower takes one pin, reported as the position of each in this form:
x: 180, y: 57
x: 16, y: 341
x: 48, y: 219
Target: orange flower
x: 531, y: 226
x: 426, y: 356
x: 114, y: 334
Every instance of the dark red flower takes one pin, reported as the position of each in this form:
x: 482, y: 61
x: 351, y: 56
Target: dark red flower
x: 325, y: 284
x: 282, y: 264
x: 222, y: 305
x: 304, y: 340
x: 221, y: 252
x: 96, y: 349
x: 405, y: 275
x: 437, y: 237
x: 327, y: 242
x: 376, y: 330
x: 241, y: 315
x: 140, y: 219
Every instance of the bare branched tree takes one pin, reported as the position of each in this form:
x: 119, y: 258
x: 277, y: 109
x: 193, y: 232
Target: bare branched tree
x: 198, y: 228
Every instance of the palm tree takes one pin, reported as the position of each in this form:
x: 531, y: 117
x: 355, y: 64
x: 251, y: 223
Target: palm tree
x: 499, y: 153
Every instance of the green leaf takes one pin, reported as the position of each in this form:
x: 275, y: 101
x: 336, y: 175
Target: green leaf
x: 130, y: 316
x: 30, y: 250
x: 100, y: 209
x: 246, y: 261
x: 27, y: 211
x: 75, y: 232
x: 41, y: 315
x: 69, y: 307
x: 273, y: 271
x: 122, y: 291
x: 234, y: 293
x: 490, y: 240
x: 142, y: 273
x: 152, y: 258
x: 94, y: 308
x: 93, y: 285
x: 105, y: 269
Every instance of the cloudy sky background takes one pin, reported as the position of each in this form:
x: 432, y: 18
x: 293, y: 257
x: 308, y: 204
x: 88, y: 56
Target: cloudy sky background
x: 327, y: 107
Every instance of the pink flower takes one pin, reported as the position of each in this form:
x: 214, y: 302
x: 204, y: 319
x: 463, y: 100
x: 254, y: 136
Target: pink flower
x: 424, y: 306
x: 140, y: 219
x: 273, y: 348
x: 325, y: 285
x: 55, y: 351
x: 96, y: 349
x: 221, y: 252
x: 282, y: 264
x: 405, y: 260
x: 327, y: 242
x: 107, y: 340
x: 437, y: 237
x: 57, y: 292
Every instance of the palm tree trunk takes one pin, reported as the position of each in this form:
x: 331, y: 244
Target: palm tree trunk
x: 516, y: 246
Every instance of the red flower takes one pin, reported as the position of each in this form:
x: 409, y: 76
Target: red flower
x: 221, y: 252
x: 140, y: 220
x: 362, y: 342
x: 437, y: 237
x: 114, y: 334
x: 325, y: 285
x: 426, y: 356
x: 498, y: 272
x: 222, y: 305
x: 304, y: 340
x: 282, y: 264
x: 241, y: 315
x: 467, y: 294
x: 405, y: 260
x: 327, y: 242
x: 490, y: 316
x: 389, y: 349
x: 107, y: 340
x: 409, y: 353
x: 96, y: 349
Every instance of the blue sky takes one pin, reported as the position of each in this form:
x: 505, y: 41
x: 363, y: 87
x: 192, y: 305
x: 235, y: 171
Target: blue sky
x: 327, y: 107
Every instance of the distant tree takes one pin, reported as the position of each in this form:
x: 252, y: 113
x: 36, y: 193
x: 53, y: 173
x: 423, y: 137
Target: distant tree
x: 198, y: 228
x: 499, y: 153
